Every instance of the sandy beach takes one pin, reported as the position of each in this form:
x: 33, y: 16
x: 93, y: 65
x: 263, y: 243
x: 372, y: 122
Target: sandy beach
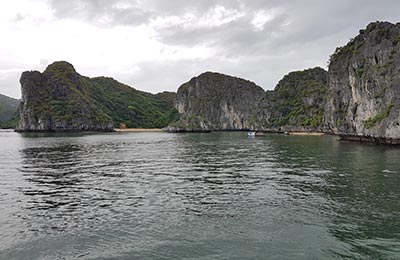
x: 306, y: 133
x: 138, y: 130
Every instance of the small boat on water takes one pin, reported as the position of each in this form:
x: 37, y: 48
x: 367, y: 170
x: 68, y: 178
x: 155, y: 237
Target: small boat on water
x: 254, y: 133
x: 251, y: 134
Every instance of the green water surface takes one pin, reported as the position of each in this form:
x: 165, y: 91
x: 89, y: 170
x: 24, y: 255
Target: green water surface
x: 197, y: 196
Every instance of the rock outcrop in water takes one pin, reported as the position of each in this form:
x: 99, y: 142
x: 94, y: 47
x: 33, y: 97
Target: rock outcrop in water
x: 60, y: 99
x: 56, y: 100
x: 364, y: 88
x: 213, y: 101
x: 359, y: 98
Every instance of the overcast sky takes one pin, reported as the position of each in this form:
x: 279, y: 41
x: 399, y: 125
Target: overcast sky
x: 156, y: 45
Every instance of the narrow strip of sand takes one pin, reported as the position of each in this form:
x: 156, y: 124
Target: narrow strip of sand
x: 138, y: 130
x: 306, y: 133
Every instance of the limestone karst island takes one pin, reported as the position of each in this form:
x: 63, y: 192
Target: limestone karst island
x: 358, y: 98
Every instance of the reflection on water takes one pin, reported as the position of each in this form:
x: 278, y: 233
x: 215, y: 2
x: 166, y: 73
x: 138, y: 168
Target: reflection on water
x: 197, y: 196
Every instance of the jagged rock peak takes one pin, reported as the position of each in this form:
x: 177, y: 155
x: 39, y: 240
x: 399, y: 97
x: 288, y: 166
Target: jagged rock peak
x: 374, y: 34
x: 217, y: 76
x: 60, y: 66
x: 296, y: 78
x: 379, y: 25
x: 62, y: 70
x: 213, y: 74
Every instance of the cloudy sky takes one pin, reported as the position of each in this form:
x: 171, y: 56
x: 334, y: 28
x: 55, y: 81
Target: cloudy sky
x: 156, y: 45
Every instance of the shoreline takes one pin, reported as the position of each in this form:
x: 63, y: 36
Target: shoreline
x: 307, y: 133
x: 127, y: 130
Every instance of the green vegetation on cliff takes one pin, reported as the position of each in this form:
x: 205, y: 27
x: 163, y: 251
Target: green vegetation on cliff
x: 168, y: 97
x: 214, y: 101
x: 372, y: 121
x: 56, y: 100
x: 299, y: 99
x: 59, y: 99
x: 129, y: 106
x: 8, y: 112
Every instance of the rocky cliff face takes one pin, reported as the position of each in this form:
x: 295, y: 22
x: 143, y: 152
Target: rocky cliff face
x: 213, y: 101
x: 56, y: 100
x: 358, y: 98
x: 364, y: 86
x: 60, y: 99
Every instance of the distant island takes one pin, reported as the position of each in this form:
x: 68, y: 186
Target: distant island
x: 358, y: 98
x: 9, y: 115
x: 60, y: 99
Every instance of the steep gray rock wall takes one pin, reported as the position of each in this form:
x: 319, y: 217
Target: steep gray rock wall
x: 55, y: 101
x: 213, y: 101
x: 364, y: 86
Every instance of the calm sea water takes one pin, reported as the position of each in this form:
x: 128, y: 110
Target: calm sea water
x: 197, y: 196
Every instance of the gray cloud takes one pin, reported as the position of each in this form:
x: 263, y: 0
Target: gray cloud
x: 85, y: 9
x: 102, y: 12
x: 297, y: 23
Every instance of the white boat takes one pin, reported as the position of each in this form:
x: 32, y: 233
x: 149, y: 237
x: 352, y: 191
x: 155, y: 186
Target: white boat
x: 251, y: 134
